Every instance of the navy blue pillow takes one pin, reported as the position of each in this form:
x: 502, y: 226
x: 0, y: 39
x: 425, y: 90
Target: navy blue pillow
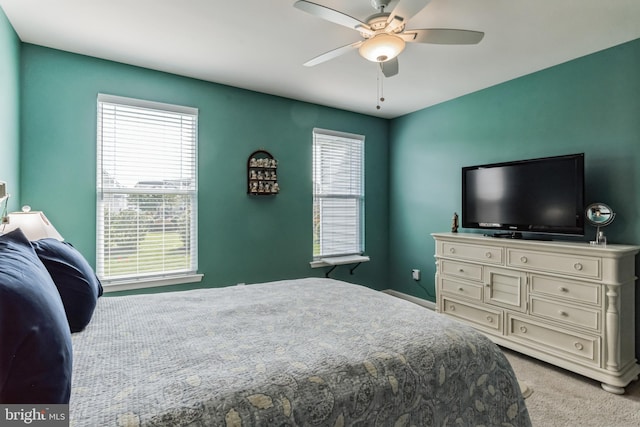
x: 75, y: 279
x: 35, y: 342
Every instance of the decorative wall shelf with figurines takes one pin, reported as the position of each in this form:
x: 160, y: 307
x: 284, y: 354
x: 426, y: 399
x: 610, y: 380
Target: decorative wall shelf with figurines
x: 262, y: 174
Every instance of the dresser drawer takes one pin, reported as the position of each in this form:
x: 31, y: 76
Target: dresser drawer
x: 566, y: 314
x: 573, y: 265
x: 580, y: 347
x: 485, y: 254
x: 462, y: 270
x: 576, y: 291
x: 480, y: 317
x: 467, y: 290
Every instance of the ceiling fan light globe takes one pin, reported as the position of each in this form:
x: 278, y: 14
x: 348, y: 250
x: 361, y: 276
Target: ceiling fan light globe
x: 382, y: 47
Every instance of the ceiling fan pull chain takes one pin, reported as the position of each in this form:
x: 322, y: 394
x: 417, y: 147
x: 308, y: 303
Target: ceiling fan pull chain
x: 380, y: 89
x: 377, y: 91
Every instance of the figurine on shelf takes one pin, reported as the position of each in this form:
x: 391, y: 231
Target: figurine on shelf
x: 253, y: 163
x: 454, y: 223
x: 267, y: 187
x: 253, y: 175
x: 275, y: 187
x: 254, y: 187
x: 273, y: 175
x: 260, y: 175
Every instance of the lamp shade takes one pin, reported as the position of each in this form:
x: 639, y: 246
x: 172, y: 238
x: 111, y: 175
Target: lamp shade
x: 34, y: 225
x: 382, y: 47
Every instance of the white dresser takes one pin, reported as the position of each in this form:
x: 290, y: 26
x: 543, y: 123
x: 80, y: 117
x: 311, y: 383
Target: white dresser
x: 567, y: 303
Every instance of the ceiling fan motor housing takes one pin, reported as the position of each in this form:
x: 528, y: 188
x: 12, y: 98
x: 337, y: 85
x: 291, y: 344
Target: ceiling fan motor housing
x: 378, y: 4
x: 378, y: 23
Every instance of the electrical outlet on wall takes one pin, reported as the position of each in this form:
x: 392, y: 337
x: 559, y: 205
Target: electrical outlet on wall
x: 415, y: 273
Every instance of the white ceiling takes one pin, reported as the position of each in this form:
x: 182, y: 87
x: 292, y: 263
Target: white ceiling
x: 261, y: 44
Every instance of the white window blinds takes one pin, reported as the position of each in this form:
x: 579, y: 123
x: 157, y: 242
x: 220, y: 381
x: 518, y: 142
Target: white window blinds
x: 338, y: 194
x: 147, y: 189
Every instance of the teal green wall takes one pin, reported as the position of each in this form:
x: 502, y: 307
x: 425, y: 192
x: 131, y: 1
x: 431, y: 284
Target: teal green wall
x: 241, y: 238
x: 9, y: 110
x: 589, y: 105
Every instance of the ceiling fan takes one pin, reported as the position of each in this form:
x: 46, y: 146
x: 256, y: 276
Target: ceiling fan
x: 385, y: 34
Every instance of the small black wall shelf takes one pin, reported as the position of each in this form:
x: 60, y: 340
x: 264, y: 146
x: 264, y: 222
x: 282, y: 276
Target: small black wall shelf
x: 262, y: 174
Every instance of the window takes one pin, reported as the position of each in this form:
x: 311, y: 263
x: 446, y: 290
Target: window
x: 147, y: 190
x: 338, y: 194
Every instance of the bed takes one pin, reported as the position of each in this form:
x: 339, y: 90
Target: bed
x: 308, y: 352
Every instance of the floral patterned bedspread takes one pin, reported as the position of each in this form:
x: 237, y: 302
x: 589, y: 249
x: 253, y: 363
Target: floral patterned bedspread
x: 308, y: 352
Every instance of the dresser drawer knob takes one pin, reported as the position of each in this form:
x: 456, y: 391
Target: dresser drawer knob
x: 461, y: 270
x: 578, y: 346
x: 488, y: 254
x: 523, y: 329
x: 577, y: 266
x: 452, y: 307
x: 489, y: 319
x: 460, y: 288
x: 563, y: 289
x: 452, y: 250
x: 563, y: 313
x: 523, y: 259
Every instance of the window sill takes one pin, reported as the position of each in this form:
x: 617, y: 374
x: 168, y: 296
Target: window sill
x: 131, y: 284
x: 340, y: 260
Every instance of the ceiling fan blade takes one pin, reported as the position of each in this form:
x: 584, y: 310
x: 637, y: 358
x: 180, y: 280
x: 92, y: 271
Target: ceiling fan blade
x: 443, y: 36
x: 333, y: 15
x: 332, y: 54
x: 404, y: 11
x: 390, y: 68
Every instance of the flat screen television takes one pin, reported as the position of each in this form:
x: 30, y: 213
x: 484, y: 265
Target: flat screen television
x: 544, y: 195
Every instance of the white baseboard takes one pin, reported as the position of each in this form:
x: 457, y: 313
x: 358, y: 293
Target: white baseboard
x: 423, y: 302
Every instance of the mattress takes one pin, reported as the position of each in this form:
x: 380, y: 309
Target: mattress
x: 307, y: 352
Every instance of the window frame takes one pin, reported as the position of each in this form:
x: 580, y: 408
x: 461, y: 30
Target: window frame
x: 156, y: 278
x: 323, y: 259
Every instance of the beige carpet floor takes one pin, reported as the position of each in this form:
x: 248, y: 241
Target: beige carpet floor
x: 562, y: 398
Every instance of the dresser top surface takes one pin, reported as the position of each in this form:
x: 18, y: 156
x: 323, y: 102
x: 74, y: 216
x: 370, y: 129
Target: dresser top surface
x: 536, y: 244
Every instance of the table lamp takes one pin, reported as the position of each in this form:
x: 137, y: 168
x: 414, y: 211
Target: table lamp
x: 34, y: 224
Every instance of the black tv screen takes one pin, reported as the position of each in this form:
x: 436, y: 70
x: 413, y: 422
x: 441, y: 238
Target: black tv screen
x: 543, y: 195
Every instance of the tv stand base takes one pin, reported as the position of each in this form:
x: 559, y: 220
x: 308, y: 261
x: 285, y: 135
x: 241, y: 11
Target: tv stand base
x: 507, y: 235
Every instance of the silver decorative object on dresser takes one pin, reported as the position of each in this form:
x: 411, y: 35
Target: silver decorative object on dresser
x: 570, y: 304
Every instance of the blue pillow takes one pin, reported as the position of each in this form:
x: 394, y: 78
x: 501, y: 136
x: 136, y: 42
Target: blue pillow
x: 73, y: 276
x: 35, y: 342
